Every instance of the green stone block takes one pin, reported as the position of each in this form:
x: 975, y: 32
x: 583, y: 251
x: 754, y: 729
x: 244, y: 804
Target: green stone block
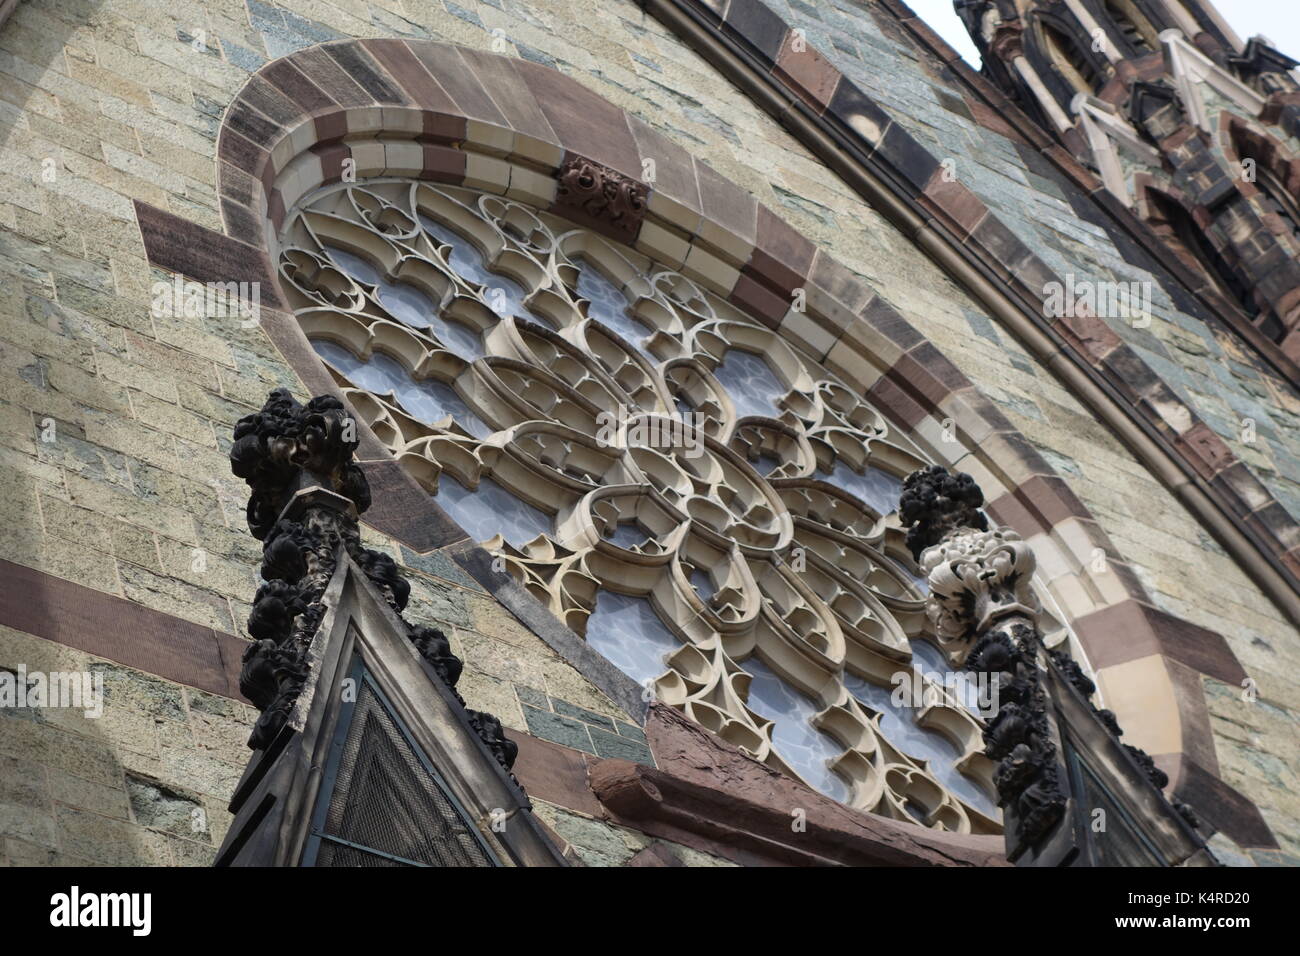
x: 581, y: 713
x: 558, y: 729
x: 531, y: 697
x: 631, y: 731
x: 623, y: 748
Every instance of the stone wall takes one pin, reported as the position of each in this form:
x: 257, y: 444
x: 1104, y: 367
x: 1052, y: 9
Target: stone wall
x: 118, y: 421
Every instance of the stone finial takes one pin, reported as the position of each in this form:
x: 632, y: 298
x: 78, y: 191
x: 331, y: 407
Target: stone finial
x: 980, y: 593
x: 306, y: 494
x: 285, y: 442
x: 935, y: 502
x: 980, y: 581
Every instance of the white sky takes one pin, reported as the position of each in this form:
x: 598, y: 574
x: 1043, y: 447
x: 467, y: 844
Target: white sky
x: 1279, y: 20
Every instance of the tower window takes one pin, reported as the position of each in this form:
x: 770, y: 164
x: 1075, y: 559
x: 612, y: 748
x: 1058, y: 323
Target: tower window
x: 1071, y: 61
x: 1180, y: 230
x: 1136, y: 29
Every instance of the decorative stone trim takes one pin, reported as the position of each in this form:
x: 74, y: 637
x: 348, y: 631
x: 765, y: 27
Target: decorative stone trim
x: 599, y: 197
x: 721, y: 237
x: 67, y: 613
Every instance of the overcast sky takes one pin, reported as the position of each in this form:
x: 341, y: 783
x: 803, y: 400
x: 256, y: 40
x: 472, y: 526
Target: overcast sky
x: 1279, y: 20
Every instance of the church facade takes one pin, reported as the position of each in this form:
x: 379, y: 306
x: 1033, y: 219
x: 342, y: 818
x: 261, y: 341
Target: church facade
x: 648, y: 434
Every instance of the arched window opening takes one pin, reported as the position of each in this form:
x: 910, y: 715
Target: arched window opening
x: 681, y: 486
x: 1070, y: 60
x: 1177, y: 227
x: 1136, y: 29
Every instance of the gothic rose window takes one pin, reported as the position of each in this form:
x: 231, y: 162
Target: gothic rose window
x: 707, y: 506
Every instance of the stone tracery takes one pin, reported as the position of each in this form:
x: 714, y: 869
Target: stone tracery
x: 485, y: 343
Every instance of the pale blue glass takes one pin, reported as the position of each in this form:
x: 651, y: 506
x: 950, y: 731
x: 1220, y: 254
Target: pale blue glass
x: 934, y: 665
x: 627, y: 534
x: 901, y: 729
x: 764, y: 464
x: 427, y: 402
x: 628, y: 632
x: 492, y: 510
x: 702, y: 581
x: 875, y: 488
x: 751, y: 383
x: 800, y: 744
x: 358, y: 268
x: 608, y: 306
x: 504, y: 296
x: 410, y: 306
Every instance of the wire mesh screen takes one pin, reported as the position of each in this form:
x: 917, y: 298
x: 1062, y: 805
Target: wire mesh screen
x: 386, y: 808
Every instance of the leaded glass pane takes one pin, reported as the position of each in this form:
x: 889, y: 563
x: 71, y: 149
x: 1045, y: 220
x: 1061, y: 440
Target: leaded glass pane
x: 490, y: 510
x: 807, y: 749
x: 750, y: 382
x: 630, y: 634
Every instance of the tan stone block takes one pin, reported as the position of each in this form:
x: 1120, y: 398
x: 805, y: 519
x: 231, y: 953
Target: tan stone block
x: 72, y: 791
x: 538, y: 151
x: 1144, y: 701
x: 76, y: 524
x: 110, y: 841
x: 487, y: 173
x: 497, y: 697
x: 856, y: 366
x: 530, y: 186
x: 665, y: 246
x: 59, y: 750
x: 403, y: 159
x: 704, y: 267
x: 507, y: 662
x: 137, y: 377
x: 173, y: 419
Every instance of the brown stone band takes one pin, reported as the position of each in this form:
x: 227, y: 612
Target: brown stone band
x: 709, y: 796
x: 725, y: 814
x: 509, y: 126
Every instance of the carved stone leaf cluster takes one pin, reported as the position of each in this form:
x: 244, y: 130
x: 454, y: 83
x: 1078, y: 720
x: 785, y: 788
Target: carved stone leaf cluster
x: 602, y: 195
x: 306, y: 494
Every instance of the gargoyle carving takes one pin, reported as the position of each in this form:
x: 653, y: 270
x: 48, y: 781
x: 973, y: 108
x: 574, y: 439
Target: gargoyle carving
x: 284, y: 449
x: 980, y: 593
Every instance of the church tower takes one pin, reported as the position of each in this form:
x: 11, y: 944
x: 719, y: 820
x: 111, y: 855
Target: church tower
x: 1188, y: 126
